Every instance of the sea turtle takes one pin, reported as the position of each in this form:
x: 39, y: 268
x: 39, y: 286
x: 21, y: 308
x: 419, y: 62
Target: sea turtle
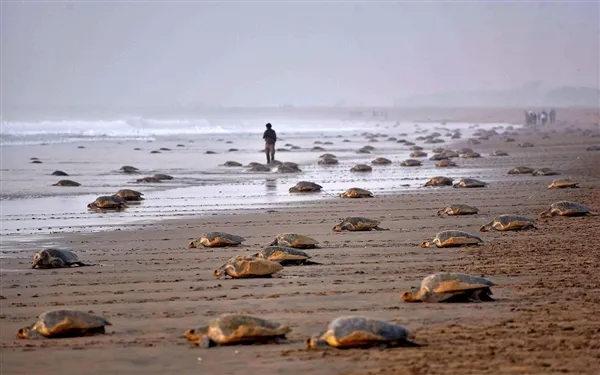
x: 566, y: 208
x: 305, y: 187
x: 66, y: 183
x: 521, y: 170
x: 438, y: 157
x: 470, y: 155
x: 418, y: 154
x: 498, y: 153
x: 59, y: 173
x: 151, y: 180
x: 231, y: 329
x: 356, y: 193
x: 411, y: 163
x: 416, y: 148
x: 36, y: 161
x: 56, y: 258
x: 232, y: 164
x: 247, y: 266
x: 450, y: 154
x: 209, y: 152
x: 593, y: 148
x: 257, y: 167
x: 329, y: 156
x: 216, y: 239
x: 464, y: 150
x: 561, y: 183
x: 439, y: 181
x: 129, y: 169
x: 317, y: 148
x: 452, y: 238
x: 64, y: 323
x: 381, y: 161
x: 288, y: 168
x: 360, y: 332
x: 129, y: 195
x: 470, y: 183
x: 544, y: 172
x: 161, y: 176
x: 361, y: 168
x: 445, y: 163
x: 354, y: 224
x: 108, y: 203
x: 451, y: 287
x: 458, y: 209
x: 285, y: 255
x: 298, y: 241
x: 328, y: 161
x: 508, y: 222
x: 525, y: 144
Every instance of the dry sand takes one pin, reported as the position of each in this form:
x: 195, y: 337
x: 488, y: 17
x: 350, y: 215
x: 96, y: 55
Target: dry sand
x: 546, y: 318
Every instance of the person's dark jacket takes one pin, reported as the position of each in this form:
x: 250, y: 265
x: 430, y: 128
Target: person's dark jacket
x: 270, y: 136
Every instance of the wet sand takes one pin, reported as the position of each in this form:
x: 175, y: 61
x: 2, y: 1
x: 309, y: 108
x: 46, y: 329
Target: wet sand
x: 545, y: 320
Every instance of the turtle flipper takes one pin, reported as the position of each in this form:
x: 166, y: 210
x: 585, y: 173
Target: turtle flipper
x: 311, y: 263
x: 379, y: 228
x: 81, y: 264
x: 57, y: 263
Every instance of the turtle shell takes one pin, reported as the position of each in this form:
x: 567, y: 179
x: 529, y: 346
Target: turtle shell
x: 361, y: 168
x: 216, y: 239
x: 231, y: 329
x: 381, y: 161
x: 108, y: 202
x: 458, y: 209
x: 55, y: 258
x: 453, y: 238
x: 66, y: 183
x: 411, y: 163
x: 470, y: 183
x: 64, y: 323
x: 521, y: 170
x: 246, y: 266
x: 353, y: 224
x: 562, y: 183
x: 360, y: 332
x: 356, y: 193
x: 283, y: 255
x: 566, y: 208
x: 451, y: 287
x: 305, y: 187
x: 508, y: 222
x: 544, y: 172
x: 294, y: 240
x: 129, y: 195
x: 439, y: 181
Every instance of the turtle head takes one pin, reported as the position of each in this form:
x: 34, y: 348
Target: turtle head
x: 199, y: 336
x: 92, y: 206
x: 337, y: 228
x: 23, y: 333
x: 441, y: 212
x: 40, y: 258
x: 426, y: 244
x: 409, y: 296
x: 456, y: 185
x: 486, y: 228
x: 316, y: 342
x: 221, y: 271
x: 546, y: 213
x: 193, y: 245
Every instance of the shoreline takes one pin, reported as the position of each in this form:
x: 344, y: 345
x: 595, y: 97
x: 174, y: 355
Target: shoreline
x: 152, y: 288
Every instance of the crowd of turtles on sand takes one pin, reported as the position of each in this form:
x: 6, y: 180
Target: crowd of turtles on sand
x: 288, y: 249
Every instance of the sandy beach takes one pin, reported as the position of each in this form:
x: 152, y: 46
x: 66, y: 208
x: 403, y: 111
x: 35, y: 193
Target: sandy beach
x: 545, y: 320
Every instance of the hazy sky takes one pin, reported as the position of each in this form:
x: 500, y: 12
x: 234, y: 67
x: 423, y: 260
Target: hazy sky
x: 301, y: 53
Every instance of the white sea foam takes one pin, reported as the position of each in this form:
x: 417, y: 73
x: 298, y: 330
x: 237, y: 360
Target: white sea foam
x: 136, y: 128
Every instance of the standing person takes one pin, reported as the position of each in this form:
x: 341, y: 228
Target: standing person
x: 270, y: 138
x: 552, y: 116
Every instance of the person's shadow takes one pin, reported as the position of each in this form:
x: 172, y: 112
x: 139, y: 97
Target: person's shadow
x: 271, y: 186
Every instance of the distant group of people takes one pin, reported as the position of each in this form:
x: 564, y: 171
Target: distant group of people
x: 542, y: 118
